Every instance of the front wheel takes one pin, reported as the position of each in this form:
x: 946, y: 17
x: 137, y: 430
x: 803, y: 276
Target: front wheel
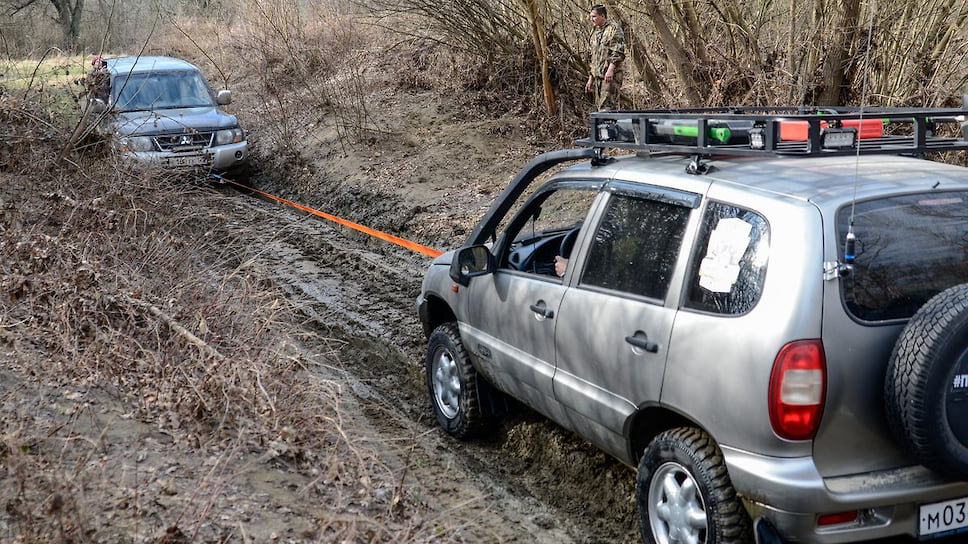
x: 452, y: 384
x: 684, y: 493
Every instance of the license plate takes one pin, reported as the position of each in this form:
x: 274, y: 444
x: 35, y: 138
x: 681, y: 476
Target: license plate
x: 943, y: 518
x: 188, y: 160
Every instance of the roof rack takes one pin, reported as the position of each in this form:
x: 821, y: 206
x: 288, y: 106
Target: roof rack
x: 782, y: 130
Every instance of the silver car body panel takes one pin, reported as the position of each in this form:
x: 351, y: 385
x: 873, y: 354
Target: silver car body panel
x: 791, y: 493
x: 729, y: 358
x: 513, y: 344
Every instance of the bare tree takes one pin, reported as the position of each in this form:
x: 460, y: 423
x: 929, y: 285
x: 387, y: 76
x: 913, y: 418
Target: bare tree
x: 682, y: 62
x: 68, y: 17
x: 540, y: 39
x: 720, y: 52
x: 843, y: 37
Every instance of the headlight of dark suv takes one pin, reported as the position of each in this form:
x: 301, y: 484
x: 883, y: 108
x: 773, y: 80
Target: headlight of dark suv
x: 229, y: 136
x: 137, y: 143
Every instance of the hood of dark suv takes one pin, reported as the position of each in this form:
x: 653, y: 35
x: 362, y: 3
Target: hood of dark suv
x: 143, y: 123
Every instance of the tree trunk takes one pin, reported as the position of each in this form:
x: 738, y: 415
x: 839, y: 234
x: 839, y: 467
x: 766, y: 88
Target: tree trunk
x: 811, y: 58
x: 694, y: 34
x: 835, y: 64
x: 69, y: 17
x: 643, y: 66
x: 540, y: 38
x: 682, y: 63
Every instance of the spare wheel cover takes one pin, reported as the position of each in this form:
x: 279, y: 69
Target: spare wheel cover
x: 926, y: 386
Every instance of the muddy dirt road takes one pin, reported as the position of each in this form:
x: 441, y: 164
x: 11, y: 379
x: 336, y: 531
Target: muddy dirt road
x: 531, y: 482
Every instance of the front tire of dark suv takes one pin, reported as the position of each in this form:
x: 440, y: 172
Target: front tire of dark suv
x: 452, y: 384
x: 684, y: 493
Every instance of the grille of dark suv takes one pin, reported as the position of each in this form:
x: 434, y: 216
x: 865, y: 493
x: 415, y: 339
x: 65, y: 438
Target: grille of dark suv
x: 184, y: 141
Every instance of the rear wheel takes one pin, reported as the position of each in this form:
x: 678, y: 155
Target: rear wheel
x: 684, y: 493
x: 452, y: 383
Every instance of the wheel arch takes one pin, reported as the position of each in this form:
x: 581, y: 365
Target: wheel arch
x: 435, y: 311
x: 648, y: 422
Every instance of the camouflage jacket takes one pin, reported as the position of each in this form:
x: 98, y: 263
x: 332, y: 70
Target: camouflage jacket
x: 607, y: 46
x: 98, y: 84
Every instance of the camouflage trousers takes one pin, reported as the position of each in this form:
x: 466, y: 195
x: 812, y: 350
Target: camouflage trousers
x: 607, y: 96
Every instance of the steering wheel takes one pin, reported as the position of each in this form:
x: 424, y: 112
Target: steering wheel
x: 568, y: 242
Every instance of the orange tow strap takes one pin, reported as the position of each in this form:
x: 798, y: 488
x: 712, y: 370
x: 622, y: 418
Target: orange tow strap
x: 372, y: 232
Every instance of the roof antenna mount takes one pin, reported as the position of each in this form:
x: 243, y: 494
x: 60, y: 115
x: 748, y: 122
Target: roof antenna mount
x: 600, y: 158
x: 696, y: 167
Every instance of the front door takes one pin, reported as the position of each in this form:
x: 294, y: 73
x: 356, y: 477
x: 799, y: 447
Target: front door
x: 614, y: 324
x: 511, y: 315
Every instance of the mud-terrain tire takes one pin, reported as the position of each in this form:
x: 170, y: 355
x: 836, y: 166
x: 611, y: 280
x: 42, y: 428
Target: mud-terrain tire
x: 926, y: 384
x: 452, y: 384
x: 682, y: 474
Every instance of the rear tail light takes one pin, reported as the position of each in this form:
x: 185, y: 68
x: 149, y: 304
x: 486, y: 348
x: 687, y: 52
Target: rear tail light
x: 798, y: 386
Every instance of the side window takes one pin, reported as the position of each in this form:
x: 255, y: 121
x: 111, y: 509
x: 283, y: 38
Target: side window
x: 729, y: 262
x: 545, y: 227
x: 636, y: 246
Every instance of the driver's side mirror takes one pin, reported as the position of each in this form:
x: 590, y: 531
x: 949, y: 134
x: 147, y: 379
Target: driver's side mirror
x: 471, y: 262
x: 96, y: 105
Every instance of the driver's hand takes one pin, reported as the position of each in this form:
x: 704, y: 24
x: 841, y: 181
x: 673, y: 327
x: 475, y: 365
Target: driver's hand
x: 561, y: 264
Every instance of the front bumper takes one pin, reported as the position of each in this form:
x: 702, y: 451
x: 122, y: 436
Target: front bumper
x: 792, y: 494
x: 218, y: 158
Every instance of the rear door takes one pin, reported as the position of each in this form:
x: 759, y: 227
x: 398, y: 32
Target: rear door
x: 614, y: 325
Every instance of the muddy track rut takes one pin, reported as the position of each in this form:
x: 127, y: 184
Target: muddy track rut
x: 530, y: 482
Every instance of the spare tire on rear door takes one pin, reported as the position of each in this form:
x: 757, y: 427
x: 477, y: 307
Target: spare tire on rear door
x: 926, y: 387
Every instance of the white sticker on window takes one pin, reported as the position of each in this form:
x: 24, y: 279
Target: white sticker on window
x: 719, y: 269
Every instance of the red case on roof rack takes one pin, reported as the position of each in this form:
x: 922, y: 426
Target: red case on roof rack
x: 798, y: 130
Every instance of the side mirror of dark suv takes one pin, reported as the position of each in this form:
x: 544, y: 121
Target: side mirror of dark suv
x: 470, y: 262
x: 96, y: 105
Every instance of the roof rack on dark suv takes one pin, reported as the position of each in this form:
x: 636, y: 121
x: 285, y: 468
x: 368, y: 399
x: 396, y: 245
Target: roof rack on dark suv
x: 781, y: 130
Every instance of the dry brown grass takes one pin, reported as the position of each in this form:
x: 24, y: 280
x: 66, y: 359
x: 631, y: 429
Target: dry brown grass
x: 136, y: 324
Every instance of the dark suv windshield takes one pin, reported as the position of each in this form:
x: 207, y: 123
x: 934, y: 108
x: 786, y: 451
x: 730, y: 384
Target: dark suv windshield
x: 160, y: 90
x: 909, y: 248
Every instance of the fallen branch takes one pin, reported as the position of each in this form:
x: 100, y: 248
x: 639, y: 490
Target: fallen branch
x: 172, y: 324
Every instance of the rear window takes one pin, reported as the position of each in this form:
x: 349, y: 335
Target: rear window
x: 909, y: 248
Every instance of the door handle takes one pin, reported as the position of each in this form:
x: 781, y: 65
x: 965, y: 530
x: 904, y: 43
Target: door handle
x: 542, y: 311
x: 644, y: 343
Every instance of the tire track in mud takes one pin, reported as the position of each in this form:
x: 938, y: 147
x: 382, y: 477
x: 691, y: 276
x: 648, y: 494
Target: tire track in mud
x: 360, y: 294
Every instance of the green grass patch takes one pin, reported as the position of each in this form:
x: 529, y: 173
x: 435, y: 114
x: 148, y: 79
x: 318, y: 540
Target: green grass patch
x: 51, y: 71
x: 56, y: 81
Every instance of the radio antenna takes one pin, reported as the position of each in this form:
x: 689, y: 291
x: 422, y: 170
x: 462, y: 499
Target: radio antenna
x: 851, y: 241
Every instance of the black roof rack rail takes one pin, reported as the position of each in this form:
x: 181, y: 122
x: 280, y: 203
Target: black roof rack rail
x: 782, y: 130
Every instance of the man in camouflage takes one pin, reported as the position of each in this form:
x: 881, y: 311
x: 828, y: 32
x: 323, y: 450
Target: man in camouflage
x: 607, y: 60
x: 99, y: 79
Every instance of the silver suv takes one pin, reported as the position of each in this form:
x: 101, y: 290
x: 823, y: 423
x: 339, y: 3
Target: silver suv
x: 161, y: 110
x: 764, y: 310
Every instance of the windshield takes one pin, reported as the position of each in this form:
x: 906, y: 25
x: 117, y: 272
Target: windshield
x: 909, y: 248
x: 160, y: 90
